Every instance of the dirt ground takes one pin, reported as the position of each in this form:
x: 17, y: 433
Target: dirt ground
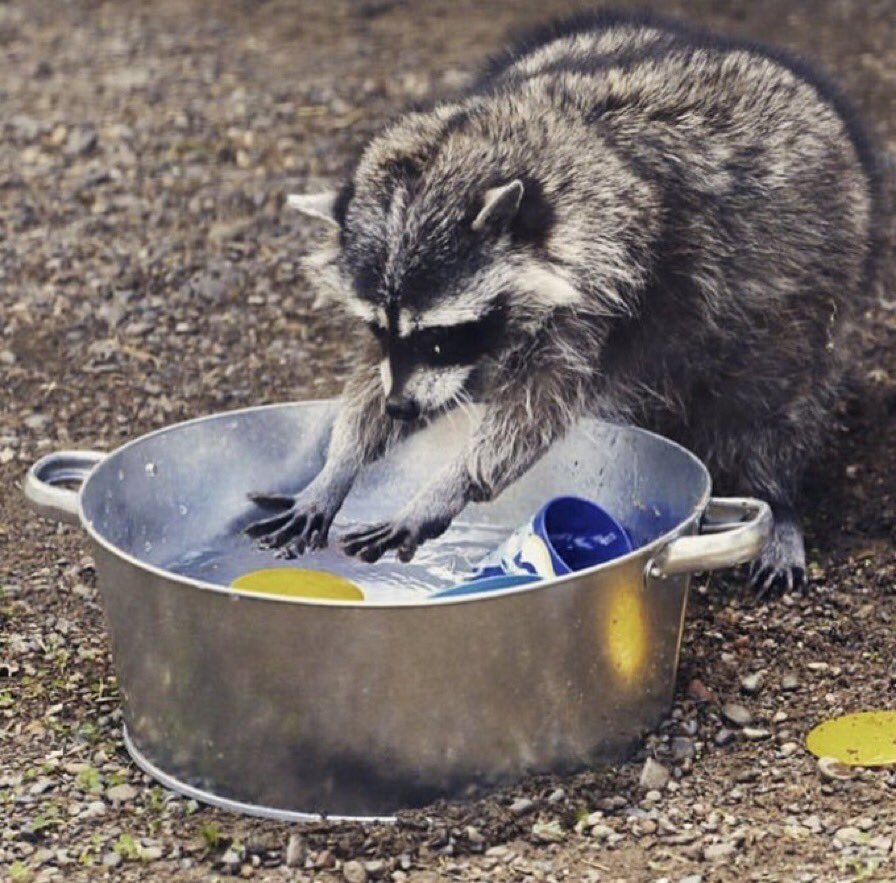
x: 147, y: 275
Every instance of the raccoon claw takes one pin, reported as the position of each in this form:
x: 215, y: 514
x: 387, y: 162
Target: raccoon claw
x: 766, y: 579
x: 298, y: 526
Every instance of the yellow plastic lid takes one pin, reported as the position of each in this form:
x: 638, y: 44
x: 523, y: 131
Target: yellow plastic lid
x: 296, y: 582
x: 866, y: 738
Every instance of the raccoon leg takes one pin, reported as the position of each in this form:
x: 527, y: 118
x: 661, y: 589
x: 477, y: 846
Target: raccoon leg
x: 768, y: 463
x: 782, y: 563
x: 532, y: 414
x: 362, y: 432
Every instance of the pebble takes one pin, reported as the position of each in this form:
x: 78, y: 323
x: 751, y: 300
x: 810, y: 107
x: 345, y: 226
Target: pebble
x: 354, y: 872
x: 112, y: 859
x: 121, y: 793
x: 654, y: 776
x: 522, y: 806
x: 751, y: 684
x: 849, y: 834
x: 789, y: 682
x: 295, y: 851
x: 736, y: 714
x: 699, y: 692
x: 682, y: 748
x: 831, y: 768
x: 601, y: 832
x: 548, y: 832
x: 756, y: 733
x: 230, y: 861
x: 151, y: 853
x: 723, y: 737
x: 717, y: 852
x: 556, y: 795
x: 692, y: 878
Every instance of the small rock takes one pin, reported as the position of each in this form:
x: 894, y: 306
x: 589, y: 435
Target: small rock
x: 472, y: 834
x: 601, y: 832
x: 881, y: 843
x: 41, y: 786
x: 121, y: 793
x: 112, y: 859
x: 230, y: 861
x: 789, y: 682
x: 522, y: 806
x: 653, y: 796
x: 548, y: 832
x: 375, y: 868
x: 354, y: 872
x: 654, y: 776
x: 751, y: 684
x: 723, y: 737
x: 831, y: 768
x: 699, y: 692
x: 556, y: 795
x: 717, y: 852
x: 736, y: 714
x: 692, y: 878
x: 756, y: 733
x: 682, y: 748
x: 93, y: 809
x: 295, y: 851
x: 788, y: 749
x: 151, y: 853
x: 849, y: 835
x: 325, y: 859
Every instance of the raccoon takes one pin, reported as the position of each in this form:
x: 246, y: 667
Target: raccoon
x: 625, y: 217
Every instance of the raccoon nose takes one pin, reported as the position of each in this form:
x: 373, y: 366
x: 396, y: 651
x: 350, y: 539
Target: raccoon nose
x: 402, y: 408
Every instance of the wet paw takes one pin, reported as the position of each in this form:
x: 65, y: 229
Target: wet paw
x: 782, y: 564
x: 301, y: 523
x: 371, y: 542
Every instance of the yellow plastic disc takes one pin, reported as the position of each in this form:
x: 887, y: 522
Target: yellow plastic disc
x: 295, y: 582
x: 867, y: 738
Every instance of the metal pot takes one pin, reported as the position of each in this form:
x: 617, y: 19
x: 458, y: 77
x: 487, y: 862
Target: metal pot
x: 285, y: 707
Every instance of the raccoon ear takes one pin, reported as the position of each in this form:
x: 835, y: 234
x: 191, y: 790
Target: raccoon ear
x: 499, y: 206
x: 316, y: 205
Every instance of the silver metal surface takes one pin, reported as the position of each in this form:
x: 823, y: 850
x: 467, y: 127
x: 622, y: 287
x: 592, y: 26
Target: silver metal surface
x: 290, y: 706
x: 44, y: 477
x: 734, y: 530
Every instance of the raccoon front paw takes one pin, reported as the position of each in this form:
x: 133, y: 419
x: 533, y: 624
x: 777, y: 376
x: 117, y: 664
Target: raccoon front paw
x: 302, y: 522
x: 371, y: 542
x: 782, y: 564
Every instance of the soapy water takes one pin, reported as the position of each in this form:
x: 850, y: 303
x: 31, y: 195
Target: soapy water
x: 437, y: 564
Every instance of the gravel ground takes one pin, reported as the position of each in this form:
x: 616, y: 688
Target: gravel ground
x: 148, y: 275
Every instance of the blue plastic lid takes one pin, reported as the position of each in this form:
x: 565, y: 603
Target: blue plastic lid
x: 487, y: 584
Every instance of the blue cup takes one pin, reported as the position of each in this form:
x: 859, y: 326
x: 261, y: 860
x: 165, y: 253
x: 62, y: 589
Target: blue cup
x: 565, y: 535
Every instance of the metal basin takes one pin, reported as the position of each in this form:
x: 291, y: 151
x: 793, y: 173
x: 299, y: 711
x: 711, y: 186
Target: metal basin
x: 285, y: 707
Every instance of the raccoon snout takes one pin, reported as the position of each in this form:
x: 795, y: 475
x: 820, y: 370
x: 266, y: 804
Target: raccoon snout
x: 400, y: 407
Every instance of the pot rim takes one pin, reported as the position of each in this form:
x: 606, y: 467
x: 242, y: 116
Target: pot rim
x: 238, y: 594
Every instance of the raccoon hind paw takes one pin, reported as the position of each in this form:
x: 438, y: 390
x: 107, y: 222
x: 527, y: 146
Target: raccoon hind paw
x: 782, y: 564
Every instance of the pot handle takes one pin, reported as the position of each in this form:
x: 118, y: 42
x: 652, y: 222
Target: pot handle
x: 733, y: 531
x: 41, y: 491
